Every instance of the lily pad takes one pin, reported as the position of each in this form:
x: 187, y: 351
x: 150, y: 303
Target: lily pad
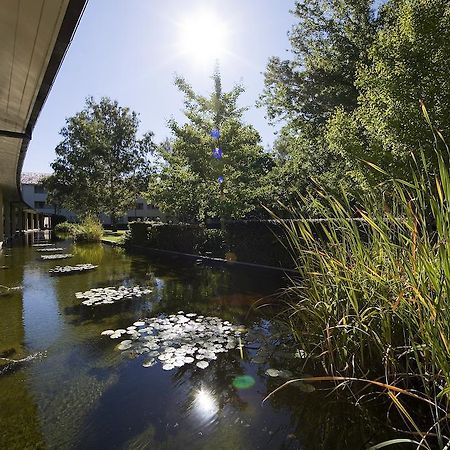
x: 202, y: 364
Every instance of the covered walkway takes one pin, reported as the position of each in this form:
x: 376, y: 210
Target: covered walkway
x: 34, y: 37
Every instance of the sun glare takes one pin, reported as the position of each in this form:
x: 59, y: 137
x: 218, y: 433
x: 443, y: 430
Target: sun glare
x: 203, y: 37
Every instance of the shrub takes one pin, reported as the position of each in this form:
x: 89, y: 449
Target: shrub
x: 254, y: 242
x: 90, y: 230
x: 66, y: 227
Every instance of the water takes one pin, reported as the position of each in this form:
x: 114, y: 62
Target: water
x: 81, y: 393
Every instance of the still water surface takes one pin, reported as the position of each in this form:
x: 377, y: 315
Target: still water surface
x: 81, y: 393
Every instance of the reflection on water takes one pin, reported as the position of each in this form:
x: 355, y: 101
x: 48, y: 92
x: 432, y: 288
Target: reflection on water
x: 205, y: 405
x: 86, y: 395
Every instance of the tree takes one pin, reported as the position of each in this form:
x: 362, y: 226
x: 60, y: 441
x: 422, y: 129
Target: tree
x: 185, y: 182
x: 329, y: 43
x: 409, y: 63
x: 101, y: 165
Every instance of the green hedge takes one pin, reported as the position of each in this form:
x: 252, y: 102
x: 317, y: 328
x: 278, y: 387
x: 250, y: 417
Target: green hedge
x: 254, y: 242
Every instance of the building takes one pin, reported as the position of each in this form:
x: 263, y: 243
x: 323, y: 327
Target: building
x: 34, y: 37
x: 35, y: 196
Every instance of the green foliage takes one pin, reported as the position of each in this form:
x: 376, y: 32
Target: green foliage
x: 89, y: 230
x: 370, y: 295
x: 66, y: 227
x: 257, y: 242
x: 185, y: 180
x: 330, y: 41
x: 409, y: 62
x: 101, y: 165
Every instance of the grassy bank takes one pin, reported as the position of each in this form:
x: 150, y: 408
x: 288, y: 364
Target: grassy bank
x: 115, y: 237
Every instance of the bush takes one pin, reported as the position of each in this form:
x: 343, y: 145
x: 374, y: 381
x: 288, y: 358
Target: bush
x: 89, y: 230
x: 66, y: 227
x: 181, y: 238
x: 258, y: 242
x: 212, y: 243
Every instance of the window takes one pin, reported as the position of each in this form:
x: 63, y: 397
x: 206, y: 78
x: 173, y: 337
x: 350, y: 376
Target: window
x: 39, y: 189
x: 151, y: 207
x: 139, y: 206
x: 39, y: 205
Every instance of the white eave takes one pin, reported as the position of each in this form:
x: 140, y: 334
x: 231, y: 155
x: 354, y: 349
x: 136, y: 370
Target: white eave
x: 34, y: 37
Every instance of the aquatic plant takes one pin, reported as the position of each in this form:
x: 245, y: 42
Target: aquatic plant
x: 6, y: 290
x: 372, y: 294
x: 57, y: 256
x: 109, y: 295
x: 65, y: 270
x: 89, y: 230
x: 177, y: 339
x: 66, y: 227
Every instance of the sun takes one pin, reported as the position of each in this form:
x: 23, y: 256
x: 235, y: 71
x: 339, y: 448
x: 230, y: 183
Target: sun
x: 203, y: 37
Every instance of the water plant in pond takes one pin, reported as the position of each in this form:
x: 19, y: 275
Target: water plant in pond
x: 65, y: 270
x: 177, y: 339
x: 111, y: 294
x: 372, y: 294
x: 57, y: 256
x: 5, y: 290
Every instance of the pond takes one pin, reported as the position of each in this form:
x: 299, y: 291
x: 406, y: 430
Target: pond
x: 80, y: 391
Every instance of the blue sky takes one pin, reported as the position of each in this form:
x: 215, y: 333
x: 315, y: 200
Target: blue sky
x: 129, y: 50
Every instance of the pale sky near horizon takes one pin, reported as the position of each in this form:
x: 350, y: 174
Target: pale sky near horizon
x: 130, y: 51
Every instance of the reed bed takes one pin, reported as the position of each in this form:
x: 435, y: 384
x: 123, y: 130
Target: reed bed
x: 371, y: 301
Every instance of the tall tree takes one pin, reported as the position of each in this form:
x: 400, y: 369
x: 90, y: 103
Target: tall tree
x: 101, y: 165
x: 330, y: 41
x: 186, y: 176
x: 409, y: 63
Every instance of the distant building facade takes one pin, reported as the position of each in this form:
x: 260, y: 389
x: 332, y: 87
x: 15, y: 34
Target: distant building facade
x: 35, y: 195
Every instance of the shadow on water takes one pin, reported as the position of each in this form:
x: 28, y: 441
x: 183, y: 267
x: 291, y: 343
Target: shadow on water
x: 86, y: 395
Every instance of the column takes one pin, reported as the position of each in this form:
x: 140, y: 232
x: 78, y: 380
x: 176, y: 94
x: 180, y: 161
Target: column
x: 2, y: 218
x: 13, y: 220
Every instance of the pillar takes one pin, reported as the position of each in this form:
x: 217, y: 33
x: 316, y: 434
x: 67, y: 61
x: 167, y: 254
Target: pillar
x: 13, y: 220
x: 2, y: 219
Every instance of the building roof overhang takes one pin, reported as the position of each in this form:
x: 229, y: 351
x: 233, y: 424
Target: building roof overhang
x: 34, y: 37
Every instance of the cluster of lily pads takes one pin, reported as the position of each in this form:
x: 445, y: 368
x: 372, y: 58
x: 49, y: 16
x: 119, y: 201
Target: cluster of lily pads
x: 62, y: 270
x: 110, y: 294
x: 178, y: 339
x: 50, y: 249
x: 57, y: 256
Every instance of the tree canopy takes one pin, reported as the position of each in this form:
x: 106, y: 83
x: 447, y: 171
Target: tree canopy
x: 409, y: 63
x: 329, y: 43
x: 185, y: 179
x: 101, y: 165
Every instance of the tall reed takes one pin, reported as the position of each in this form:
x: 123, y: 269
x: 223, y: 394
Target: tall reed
x: 372, y: 296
